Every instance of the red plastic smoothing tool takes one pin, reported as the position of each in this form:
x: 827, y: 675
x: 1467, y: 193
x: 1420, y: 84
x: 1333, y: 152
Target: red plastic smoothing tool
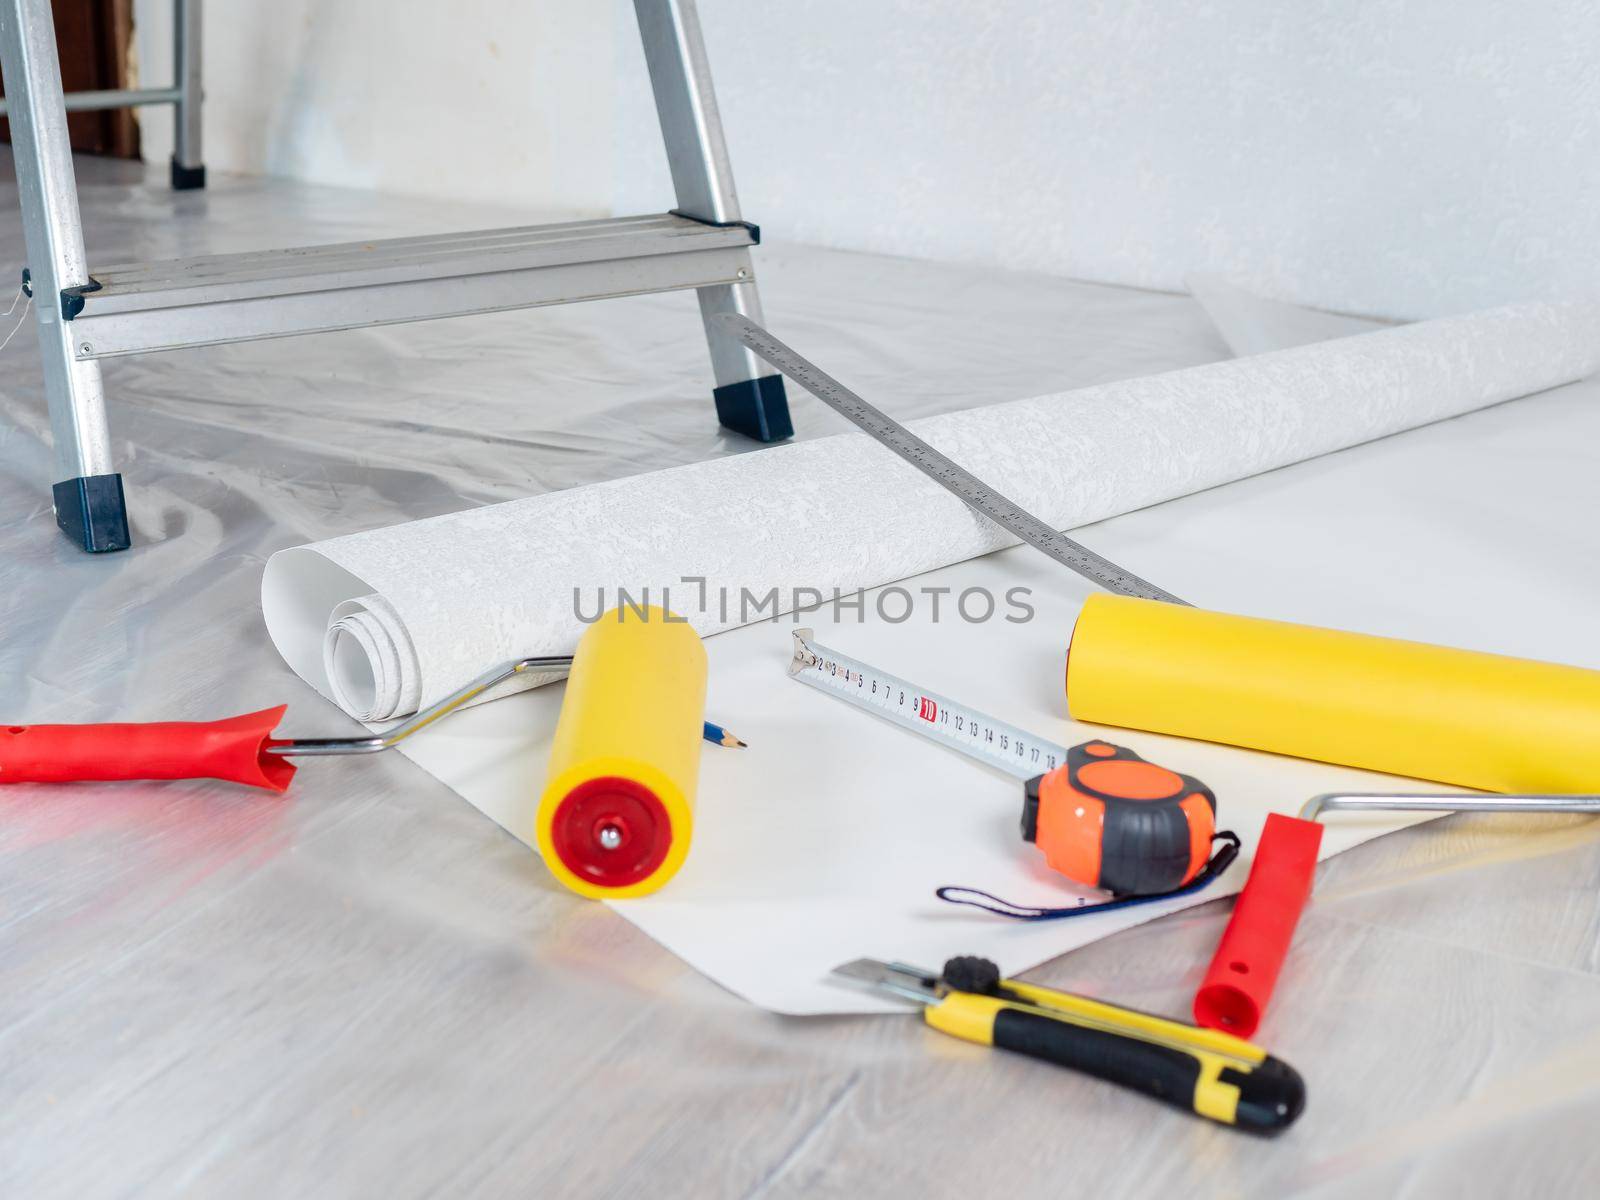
x: 1245, y: 969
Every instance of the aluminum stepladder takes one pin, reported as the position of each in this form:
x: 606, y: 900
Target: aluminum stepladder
x: 84, y: 316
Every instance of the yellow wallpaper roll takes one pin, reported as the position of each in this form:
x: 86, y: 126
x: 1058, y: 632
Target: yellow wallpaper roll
x: 617, y: 811
x: 1455, y: 716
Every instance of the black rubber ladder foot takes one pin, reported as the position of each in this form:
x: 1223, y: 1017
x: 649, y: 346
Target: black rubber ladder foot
x: 92, y: 512
x: 757, y: 408
x: 187, y: 179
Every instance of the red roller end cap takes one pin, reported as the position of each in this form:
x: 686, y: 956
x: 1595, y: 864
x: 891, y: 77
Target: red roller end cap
x: 1244, y: 971
x: 611, y: 831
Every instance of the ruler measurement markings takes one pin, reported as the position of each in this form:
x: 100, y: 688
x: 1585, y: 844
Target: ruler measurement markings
x: 973, y: 733
x: 967, y: 487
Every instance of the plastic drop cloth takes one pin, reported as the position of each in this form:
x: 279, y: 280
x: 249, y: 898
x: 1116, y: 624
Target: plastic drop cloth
x: 368, y: 988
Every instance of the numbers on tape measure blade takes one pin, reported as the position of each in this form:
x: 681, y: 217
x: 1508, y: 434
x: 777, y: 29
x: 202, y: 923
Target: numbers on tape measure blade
x: 975, y: 734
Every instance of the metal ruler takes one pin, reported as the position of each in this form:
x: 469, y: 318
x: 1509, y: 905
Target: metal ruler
x: 962, y: 484
x: 1013, y: 750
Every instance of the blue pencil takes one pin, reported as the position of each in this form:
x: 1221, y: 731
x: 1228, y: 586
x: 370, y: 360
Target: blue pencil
x: 719, y: 735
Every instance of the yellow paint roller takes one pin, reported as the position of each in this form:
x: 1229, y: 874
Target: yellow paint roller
x: 617, y: 810
x: 1482, y: 721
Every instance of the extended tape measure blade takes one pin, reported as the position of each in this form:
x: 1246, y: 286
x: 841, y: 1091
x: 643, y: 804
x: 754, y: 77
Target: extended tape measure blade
x: 928, y: 714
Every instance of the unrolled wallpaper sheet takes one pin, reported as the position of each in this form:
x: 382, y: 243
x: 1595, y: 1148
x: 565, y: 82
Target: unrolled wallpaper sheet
x: 824, y: 841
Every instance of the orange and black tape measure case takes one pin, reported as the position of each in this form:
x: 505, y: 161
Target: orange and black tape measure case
x: 1112, y: 820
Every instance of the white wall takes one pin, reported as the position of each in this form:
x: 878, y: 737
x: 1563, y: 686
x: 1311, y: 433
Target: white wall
x: 1399, y: 157
x: 460, y: 99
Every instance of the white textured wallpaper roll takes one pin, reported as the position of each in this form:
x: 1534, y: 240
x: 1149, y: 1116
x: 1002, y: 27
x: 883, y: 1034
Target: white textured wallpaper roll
x: 390, y: 619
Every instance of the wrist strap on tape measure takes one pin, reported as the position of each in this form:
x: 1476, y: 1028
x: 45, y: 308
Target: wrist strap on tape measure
x: 1220, y: 861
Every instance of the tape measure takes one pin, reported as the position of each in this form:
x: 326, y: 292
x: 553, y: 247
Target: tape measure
x: 1101, y: 815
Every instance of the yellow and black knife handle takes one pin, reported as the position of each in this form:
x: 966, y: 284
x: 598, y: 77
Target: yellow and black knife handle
x: 1205, y: 1071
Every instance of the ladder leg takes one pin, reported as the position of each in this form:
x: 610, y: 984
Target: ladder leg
x: 749, y: 394
x: 747, y: 402
x: 188, y: 167
x: 88, y: 498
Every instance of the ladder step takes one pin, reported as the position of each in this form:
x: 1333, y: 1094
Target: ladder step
x: 140, y: 307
